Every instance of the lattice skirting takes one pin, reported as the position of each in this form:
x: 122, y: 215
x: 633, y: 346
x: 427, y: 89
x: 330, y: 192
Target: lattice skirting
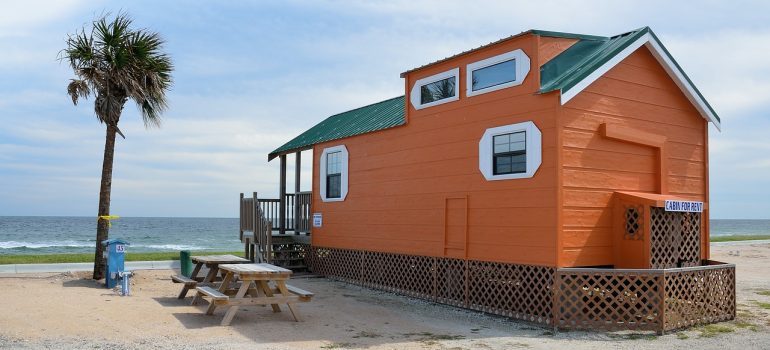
x: 654, y: 300
x: 518, y: 291
x: 609, y: 299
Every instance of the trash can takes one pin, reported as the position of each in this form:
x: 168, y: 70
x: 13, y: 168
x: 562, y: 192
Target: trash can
x: 185, y: 263
x: 115, y: 260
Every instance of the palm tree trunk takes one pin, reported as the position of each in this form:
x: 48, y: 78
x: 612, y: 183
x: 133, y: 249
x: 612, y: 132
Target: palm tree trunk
x: 102, y: 226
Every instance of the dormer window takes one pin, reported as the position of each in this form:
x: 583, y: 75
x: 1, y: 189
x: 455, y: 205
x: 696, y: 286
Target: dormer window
x: 435, y: 89
x: 497, y: 72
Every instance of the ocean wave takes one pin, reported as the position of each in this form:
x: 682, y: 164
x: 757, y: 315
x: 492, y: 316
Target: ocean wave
x: 41, y: 245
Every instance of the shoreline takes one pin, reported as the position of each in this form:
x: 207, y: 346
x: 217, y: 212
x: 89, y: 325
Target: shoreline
x: 65, y: 258
x: 89, y: 257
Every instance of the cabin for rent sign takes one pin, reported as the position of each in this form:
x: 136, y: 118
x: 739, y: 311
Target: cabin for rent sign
x: 684, y: 206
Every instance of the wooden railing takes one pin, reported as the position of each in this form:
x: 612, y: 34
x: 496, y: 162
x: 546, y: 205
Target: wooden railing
x: 258, y: 246
x: 297, y: 215
x: 302, y: 212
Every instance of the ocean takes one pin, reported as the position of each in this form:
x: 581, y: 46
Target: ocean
x: 60, y: 234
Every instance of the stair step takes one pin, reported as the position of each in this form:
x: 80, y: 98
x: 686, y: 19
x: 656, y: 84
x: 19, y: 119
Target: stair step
x: 293, y: 267
x: 288, y: 251
x: 287, y: 259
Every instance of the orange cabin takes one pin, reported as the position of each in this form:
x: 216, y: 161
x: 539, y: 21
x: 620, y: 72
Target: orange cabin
x: 544, y: 148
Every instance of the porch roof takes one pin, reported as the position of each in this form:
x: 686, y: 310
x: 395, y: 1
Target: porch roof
x: 378, y: 116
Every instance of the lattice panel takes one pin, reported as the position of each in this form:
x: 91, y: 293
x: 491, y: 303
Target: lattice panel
x: 451, y: 281
x: 341, y: 264
x: 518, y: 291
x: 608, y: 299
x: 699, y: 296
x: 634, y: 223
x: 407, y: 274
x: 674, y: 239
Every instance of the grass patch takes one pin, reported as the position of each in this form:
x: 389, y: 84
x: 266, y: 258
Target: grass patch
x: 764, y: 292
x: 763, y: 305
x: 336, y: 346
x: 736, y: 238
x: 632, y: 336
x: 682, y: 336
x: 89, y: 257
x: 746, y: 325
x: 712, y: 330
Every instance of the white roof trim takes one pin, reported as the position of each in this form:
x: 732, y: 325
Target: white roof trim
x: 664, y: 59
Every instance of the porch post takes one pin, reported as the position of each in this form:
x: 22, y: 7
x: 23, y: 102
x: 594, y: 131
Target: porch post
x: 282, y: 198
x: 297, y: 169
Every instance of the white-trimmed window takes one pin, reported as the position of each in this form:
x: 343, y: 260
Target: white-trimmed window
x: 435, y: 89
x: 510, y: 151
x: 498, y: 72
x: 334, y: 174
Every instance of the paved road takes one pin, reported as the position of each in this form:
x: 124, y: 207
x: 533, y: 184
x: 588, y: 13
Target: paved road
x: 130, y: 265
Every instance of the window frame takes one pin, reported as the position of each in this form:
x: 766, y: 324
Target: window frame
x: 344, y: 158
x: 495, y: 155
x: 533, y: 147
x: 522, y: 64
x: 415, y: 94
x: 329, y: 176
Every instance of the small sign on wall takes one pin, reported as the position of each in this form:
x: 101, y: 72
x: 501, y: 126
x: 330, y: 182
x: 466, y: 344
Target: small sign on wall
x: 684, y: 206
x: 318, y: 219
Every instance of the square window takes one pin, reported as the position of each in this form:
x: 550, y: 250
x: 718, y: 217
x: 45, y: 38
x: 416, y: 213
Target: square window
x: 509, y: 153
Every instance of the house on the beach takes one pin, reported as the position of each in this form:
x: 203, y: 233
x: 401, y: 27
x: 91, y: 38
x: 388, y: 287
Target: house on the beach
x: 553, y: 177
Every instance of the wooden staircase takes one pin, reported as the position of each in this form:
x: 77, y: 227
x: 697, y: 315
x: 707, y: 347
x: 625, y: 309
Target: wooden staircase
x: 262, y: 245
x: 288, y: 252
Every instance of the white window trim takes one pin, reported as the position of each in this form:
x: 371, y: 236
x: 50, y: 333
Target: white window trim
x: 343, y: 175
x: 522, y: 70
x: 414, y: 94
x: 534, y: 150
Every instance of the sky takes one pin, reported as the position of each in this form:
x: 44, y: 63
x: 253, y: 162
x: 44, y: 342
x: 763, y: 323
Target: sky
x: 249, y: 76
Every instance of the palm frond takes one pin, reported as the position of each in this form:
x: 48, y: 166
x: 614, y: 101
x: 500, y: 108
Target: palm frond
x: 78, y: 88
x: 117, y: 63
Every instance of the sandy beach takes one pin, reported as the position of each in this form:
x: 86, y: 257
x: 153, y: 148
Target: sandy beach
x: 67, y: 310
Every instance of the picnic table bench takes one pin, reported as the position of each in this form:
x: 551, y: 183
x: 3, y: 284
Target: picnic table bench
x: 255, y: 289
x: 212, y: 262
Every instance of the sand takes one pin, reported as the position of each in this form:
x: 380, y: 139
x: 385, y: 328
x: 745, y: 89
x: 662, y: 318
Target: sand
x: 63, y: 311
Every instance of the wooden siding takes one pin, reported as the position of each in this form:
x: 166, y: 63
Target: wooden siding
x: 413, y: 189
x: 636, y: 94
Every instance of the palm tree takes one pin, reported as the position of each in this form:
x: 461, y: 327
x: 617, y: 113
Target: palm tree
x: 116, y: 63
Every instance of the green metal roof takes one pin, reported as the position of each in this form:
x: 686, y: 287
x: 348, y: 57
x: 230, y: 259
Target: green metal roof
x: 582, y: 58
x: 591, y: 52
x: 378, y: 116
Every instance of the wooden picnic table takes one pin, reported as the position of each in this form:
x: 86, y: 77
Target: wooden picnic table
x: 254, y: 289
x: 212, y: 262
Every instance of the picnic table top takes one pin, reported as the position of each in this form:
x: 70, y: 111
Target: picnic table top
x: 255, y: 269
x: 219, y: 259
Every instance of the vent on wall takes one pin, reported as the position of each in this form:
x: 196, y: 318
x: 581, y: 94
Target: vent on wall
x: 634, y: 221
